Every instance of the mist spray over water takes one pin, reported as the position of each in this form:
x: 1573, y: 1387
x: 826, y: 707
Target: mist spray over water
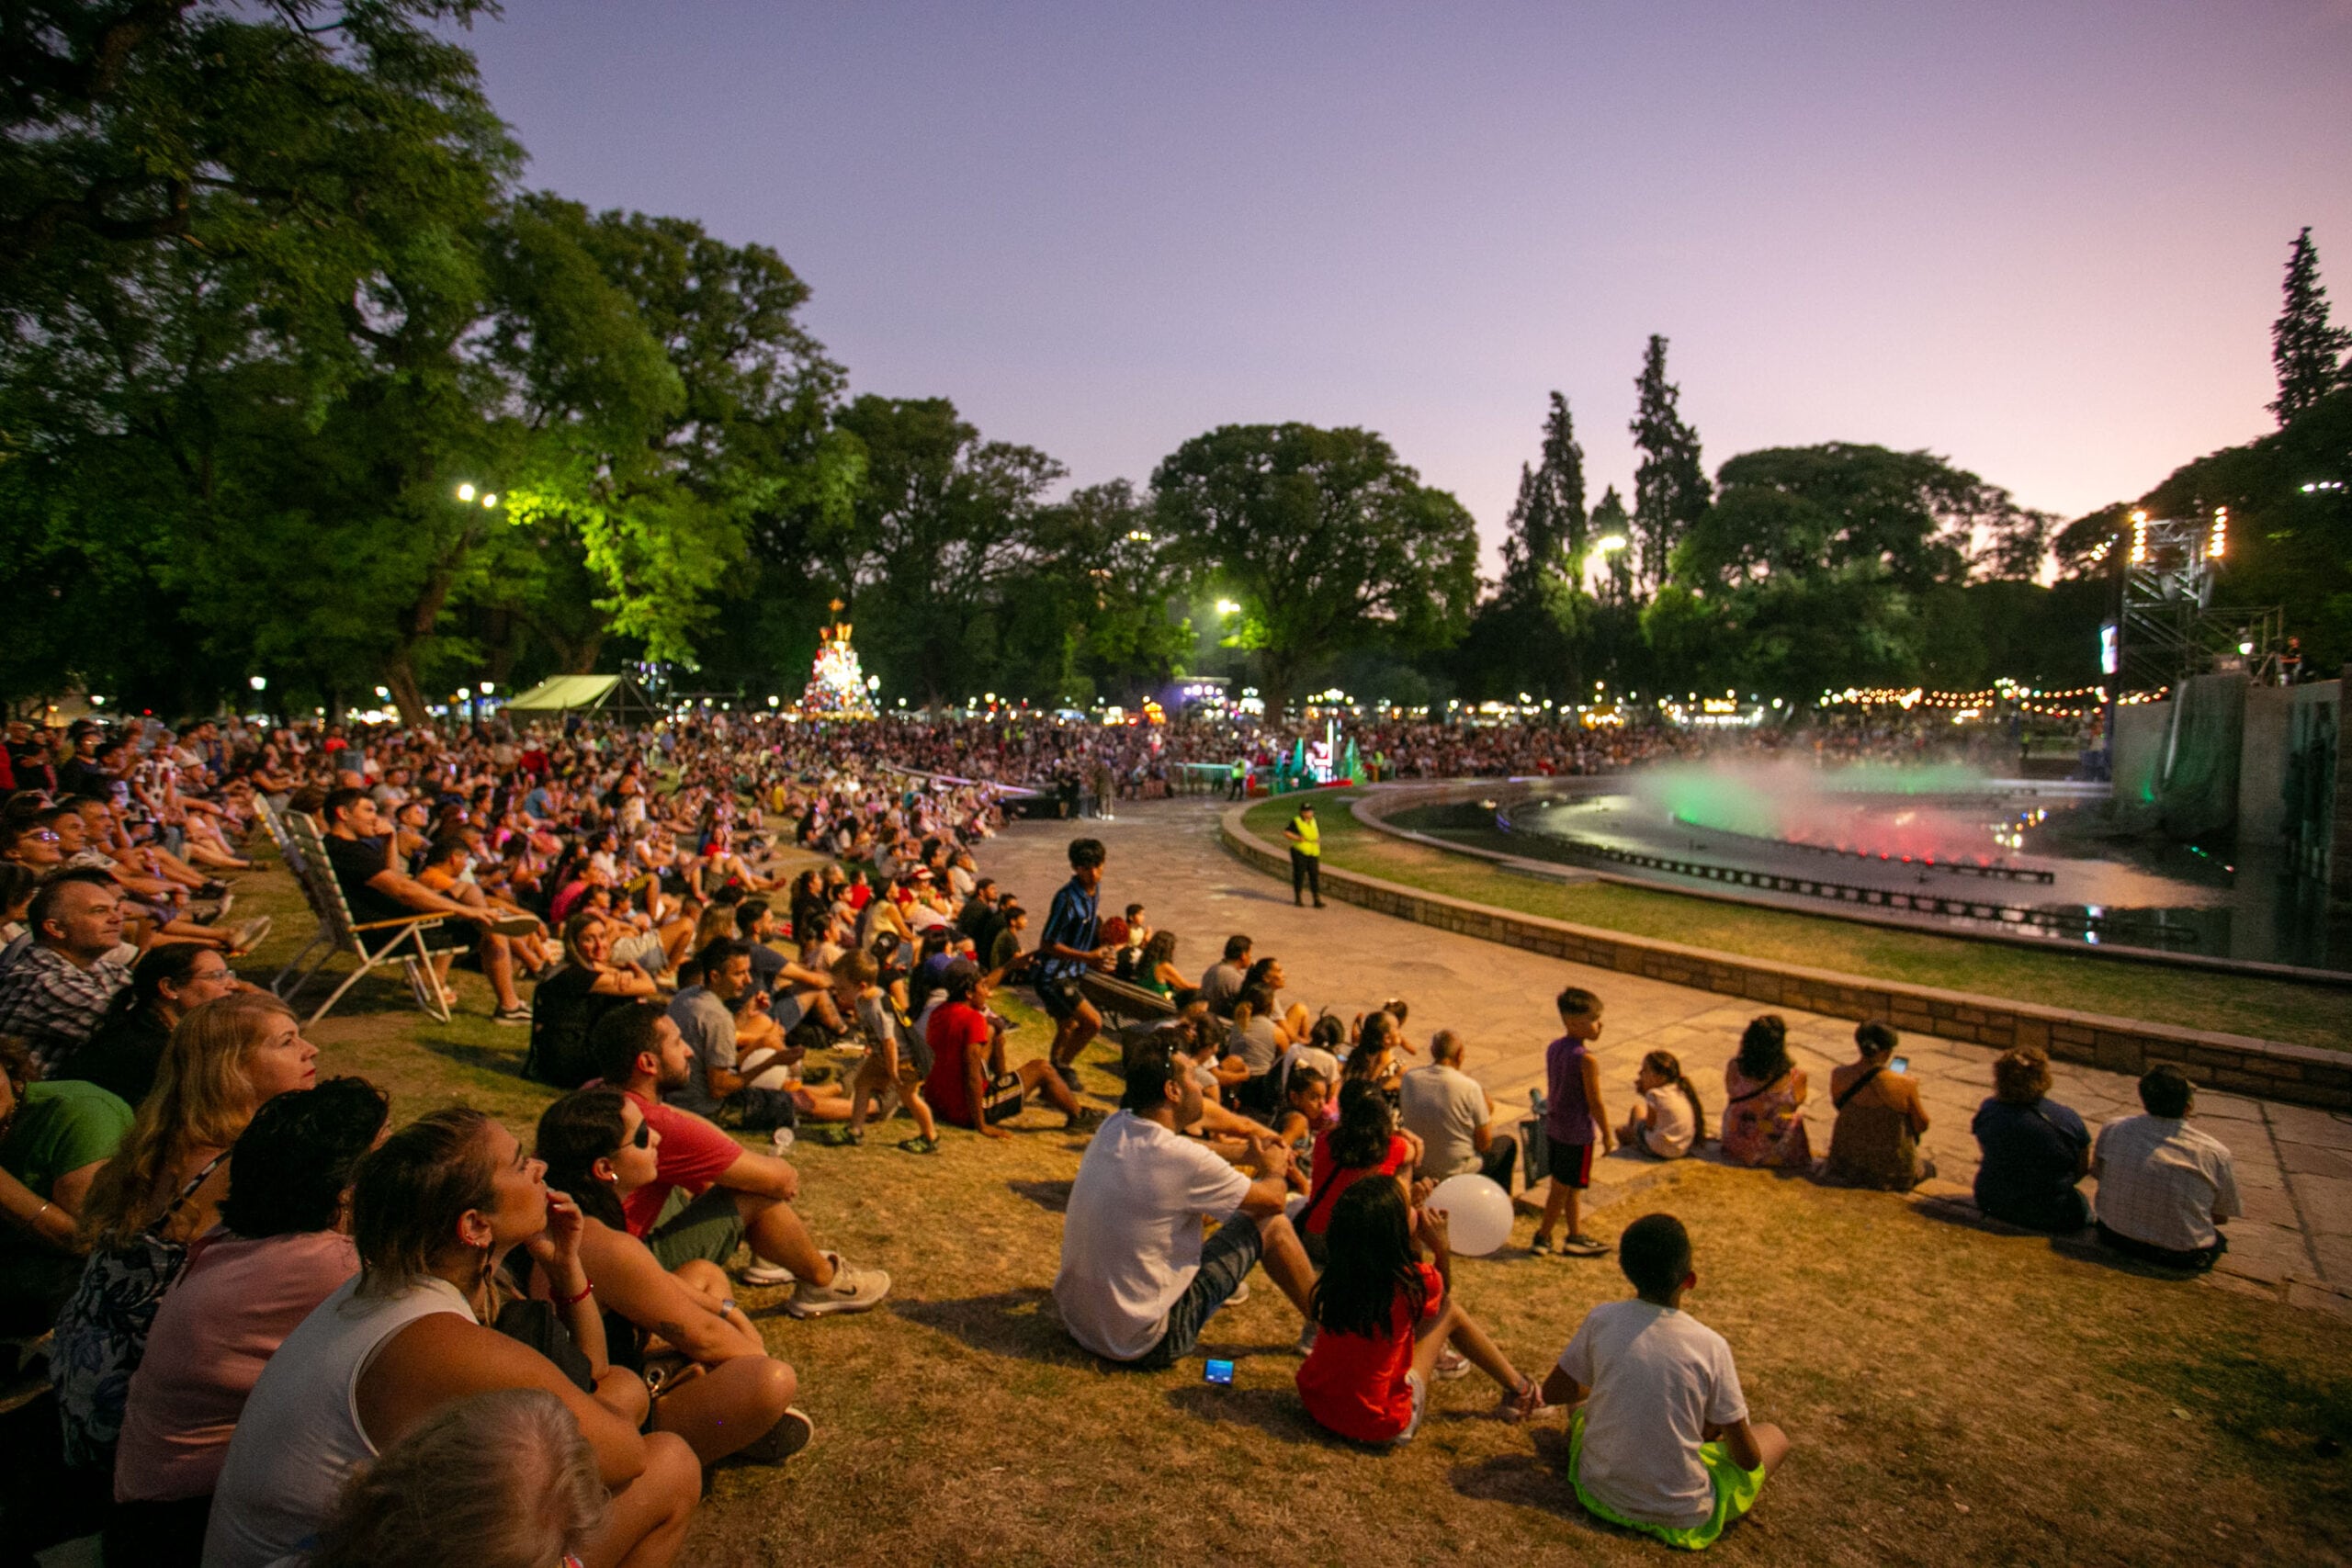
x: 1873, y: 809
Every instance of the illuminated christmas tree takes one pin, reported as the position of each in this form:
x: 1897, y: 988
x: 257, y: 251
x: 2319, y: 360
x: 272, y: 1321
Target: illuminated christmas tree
x: 837, y: 688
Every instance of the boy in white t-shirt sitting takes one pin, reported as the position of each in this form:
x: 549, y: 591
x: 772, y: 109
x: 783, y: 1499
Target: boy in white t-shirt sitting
x: 1659, y: 1440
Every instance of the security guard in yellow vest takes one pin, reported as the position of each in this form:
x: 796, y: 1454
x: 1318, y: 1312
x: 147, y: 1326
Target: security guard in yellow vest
x: 1305, y: 855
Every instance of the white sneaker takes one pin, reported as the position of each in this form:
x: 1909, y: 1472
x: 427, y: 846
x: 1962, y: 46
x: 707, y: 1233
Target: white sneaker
x: 761, y: 1273
x: 853, y: 1290
x: 1452, y: 1363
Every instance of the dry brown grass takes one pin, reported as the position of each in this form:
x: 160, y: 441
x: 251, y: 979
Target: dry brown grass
x: 1955, y: 1396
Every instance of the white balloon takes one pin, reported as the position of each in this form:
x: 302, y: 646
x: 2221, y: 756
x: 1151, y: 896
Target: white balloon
x: 1477, y: 1214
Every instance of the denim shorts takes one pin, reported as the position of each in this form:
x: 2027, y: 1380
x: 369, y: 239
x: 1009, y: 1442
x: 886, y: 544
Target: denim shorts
x: 1226, y: 1261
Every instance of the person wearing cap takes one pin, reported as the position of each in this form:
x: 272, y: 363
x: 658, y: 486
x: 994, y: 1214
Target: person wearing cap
x: 1306, y: 855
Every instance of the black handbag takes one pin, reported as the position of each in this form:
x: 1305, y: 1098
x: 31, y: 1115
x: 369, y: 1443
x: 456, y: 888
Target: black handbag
x: 1003, y: 1100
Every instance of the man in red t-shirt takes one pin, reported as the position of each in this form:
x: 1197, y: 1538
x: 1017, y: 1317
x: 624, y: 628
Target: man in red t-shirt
x: 964, y: 1059
x: 710, y: 1191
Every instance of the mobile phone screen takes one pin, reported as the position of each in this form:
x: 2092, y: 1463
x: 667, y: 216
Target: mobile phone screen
x: 1900, y: 1063
x: 1219, y: 1370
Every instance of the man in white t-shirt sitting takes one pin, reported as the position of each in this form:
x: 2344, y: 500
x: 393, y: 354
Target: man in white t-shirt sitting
x: 1137, y: 1284
x: 1449, y: 1110
x: 2164, y: 1187
x: 1659, y: 1440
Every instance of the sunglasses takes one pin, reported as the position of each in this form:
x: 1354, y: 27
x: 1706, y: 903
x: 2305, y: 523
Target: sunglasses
x: 644, y: 1139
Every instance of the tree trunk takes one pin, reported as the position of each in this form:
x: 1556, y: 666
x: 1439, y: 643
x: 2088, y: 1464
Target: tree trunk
x: 399, y: 678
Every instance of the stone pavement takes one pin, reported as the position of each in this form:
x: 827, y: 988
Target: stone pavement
x: 2294, y: 1165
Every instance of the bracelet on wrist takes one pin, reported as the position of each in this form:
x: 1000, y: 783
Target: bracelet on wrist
x: 586, y: 1290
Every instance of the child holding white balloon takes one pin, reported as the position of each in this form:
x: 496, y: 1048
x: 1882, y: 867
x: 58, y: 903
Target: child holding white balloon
x: 1385, y: 1318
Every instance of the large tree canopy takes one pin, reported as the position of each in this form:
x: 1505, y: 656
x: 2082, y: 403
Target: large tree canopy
x: 1325, y: 538
x: 1812, y: 569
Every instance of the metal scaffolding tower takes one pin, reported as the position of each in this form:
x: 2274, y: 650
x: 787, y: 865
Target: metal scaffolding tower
x: 2169, y: 628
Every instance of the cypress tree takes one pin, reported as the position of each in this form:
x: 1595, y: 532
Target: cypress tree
x: 1547, y: 521
x: 2306, y: 350
x: 1670, y: 488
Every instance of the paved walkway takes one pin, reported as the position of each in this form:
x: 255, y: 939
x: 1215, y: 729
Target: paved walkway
x: 2294, y: 1165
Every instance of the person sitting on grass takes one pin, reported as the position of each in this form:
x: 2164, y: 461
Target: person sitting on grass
x: 435, y: 1208
x: 1764, y: 1095
x: 735, y: 1044
x: 502, y: 1480
x: 968, y: 1056
x: 170, y: 981
x: 1386, y: 1323
x: 2035, y: 1150
x: 598, y: 1146
x: 1668, y: 1122
x: 161, y: 1191
x: 2164, y: 1187
x: 897, y: 1058
x: 567, y: 1005
x: 1659, y: 1439
x: 1366, y: 1142
x: 1136, y: 1282
x: 1575, y: 1123
x: 709, y: 1192
x: 54, y: 998
x: 55, y: 1137
x: 284, y: 1245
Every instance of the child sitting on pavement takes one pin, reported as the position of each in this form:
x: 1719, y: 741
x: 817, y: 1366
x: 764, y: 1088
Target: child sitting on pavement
x: 1659, y: 1441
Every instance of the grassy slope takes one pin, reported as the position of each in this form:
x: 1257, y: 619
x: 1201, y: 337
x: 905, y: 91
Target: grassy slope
x: 2271, y: 1010
x: 1956, y: 1397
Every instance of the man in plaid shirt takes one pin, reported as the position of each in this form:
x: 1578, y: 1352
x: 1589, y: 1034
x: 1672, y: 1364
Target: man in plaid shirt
x: 2164, y: 1187
x: 54, y: 996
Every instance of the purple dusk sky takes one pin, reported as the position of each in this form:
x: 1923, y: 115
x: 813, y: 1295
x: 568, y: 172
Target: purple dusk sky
x: 2041, y: 238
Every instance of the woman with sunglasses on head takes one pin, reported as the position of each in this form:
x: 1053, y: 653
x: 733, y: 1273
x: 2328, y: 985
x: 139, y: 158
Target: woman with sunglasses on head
x: 730, y: 1396
x: 435, y: 1211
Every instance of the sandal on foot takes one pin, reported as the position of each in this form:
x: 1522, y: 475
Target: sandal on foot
x: 920, y: 1144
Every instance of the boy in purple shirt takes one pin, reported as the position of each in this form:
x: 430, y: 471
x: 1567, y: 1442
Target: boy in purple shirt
x: 1574, y: 1123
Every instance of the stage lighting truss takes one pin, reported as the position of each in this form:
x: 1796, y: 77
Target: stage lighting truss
x: 2171, y: 628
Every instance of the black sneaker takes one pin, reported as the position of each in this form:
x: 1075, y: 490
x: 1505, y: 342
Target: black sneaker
x: 1086, y: 1120
x: 793, y: 1432
x: 1069, y: 1075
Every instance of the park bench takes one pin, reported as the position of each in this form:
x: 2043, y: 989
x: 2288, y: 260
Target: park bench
x: 1116, y: 998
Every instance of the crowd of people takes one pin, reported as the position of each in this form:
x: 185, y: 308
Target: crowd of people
x: 276, y: 1311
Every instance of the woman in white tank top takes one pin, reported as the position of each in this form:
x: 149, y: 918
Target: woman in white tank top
x: 434, y: 1211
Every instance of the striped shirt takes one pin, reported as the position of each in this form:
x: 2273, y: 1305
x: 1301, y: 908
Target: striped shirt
x: 1071, y: 923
